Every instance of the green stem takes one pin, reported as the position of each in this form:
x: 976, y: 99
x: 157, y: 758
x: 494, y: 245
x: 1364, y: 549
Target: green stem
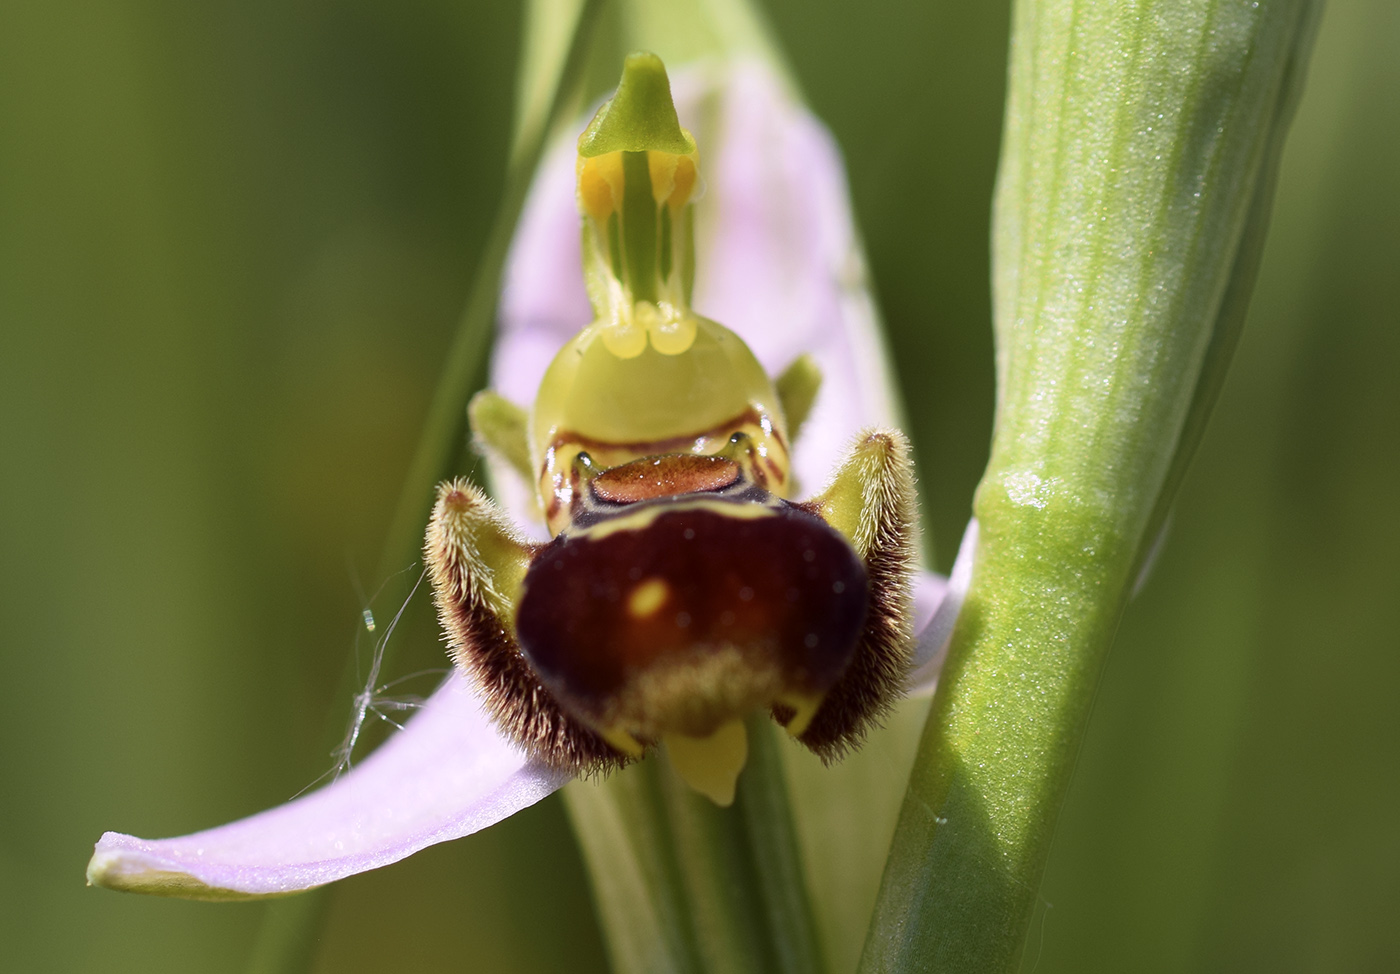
x: 685, y: 887
x: 1138, y: 158
x: 625, y: 833
x: 764, y: 803
x: 718, y: 879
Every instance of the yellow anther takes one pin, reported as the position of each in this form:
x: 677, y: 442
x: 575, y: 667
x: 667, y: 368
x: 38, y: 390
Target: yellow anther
x: 673, y: 178
x: 662, y: 167
x: 600, y: 185
x: 647, y: 597
x: 683, y: 180
x: 711, y: 765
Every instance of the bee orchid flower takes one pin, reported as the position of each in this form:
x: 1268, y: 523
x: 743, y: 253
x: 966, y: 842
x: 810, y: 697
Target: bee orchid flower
x: 646, y: 573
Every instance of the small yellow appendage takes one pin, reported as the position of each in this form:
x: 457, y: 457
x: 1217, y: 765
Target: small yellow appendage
x: 623, y: 742
x: 671, y: 330
x: 600, y: 185
x: 806, y: 708
x: 711, y: 765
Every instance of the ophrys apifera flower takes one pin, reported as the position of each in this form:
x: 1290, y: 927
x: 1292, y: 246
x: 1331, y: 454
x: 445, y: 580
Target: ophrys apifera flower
x: 683, y: 573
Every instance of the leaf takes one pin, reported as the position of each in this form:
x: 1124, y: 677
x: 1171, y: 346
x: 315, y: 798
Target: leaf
x: 1137, y: 162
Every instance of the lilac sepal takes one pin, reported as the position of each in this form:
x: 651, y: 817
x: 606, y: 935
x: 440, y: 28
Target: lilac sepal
x: 930, y: 591
x: 933, y: 635
x: 446, y: 775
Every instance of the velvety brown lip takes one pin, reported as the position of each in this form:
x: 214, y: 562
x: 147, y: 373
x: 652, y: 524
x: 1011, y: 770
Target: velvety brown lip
x: 719, y: 609
x: 665, y: 476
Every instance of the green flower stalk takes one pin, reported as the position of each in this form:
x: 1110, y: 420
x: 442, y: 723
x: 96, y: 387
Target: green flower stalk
x: 1137, y: 168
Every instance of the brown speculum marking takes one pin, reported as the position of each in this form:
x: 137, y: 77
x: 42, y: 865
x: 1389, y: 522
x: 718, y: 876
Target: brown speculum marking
x: 664, y: 476
x: 682, y: 617
x: 562, y: 493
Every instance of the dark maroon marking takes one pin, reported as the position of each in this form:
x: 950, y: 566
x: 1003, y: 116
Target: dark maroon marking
x: 785, y: 590
x: 652, y: 477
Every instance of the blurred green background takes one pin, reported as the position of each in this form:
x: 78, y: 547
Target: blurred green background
x: 235, y: 239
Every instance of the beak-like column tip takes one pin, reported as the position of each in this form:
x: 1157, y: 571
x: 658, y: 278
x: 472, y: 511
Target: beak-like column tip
x: 641, y: 117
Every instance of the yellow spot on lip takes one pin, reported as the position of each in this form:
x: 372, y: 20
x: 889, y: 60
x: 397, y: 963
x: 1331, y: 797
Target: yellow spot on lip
x: 647, y: 597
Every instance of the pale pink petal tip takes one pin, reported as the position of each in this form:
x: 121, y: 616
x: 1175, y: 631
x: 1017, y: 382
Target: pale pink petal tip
x: 936, y: 607
x: 447, y: 774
